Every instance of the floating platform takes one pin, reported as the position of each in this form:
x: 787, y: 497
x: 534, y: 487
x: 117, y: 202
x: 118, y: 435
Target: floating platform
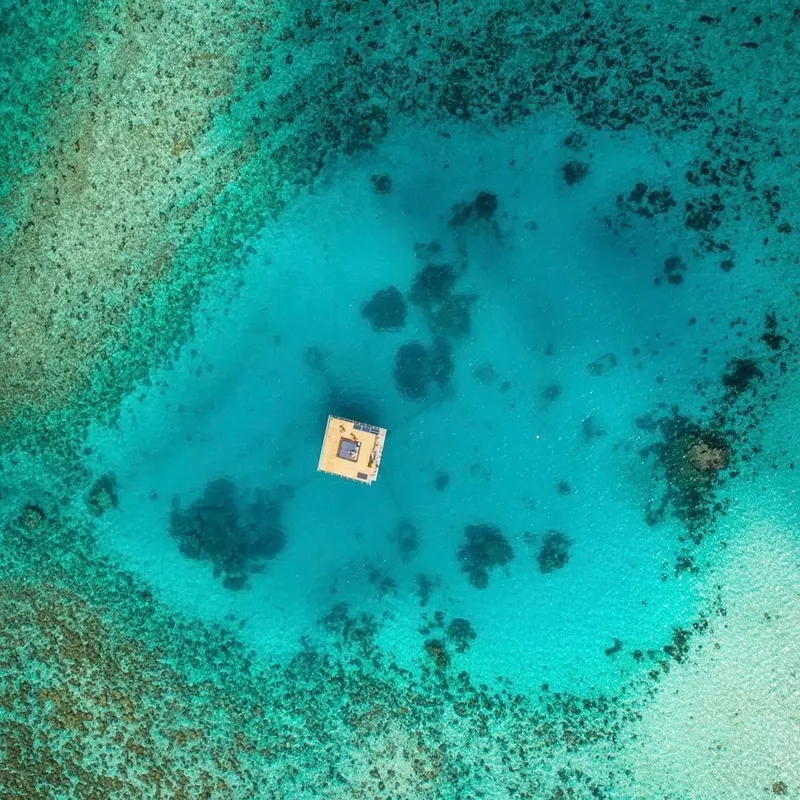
x: 352, y: 450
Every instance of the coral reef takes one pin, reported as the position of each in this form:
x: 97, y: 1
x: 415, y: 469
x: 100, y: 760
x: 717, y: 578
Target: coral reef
x: 432, y: 285
x: 461, y: 634
x: 706, y: 455
x: 483, y: 207
x: 453, y: 316
x: 689, y: 460
x: 674, y: 267
x: 425, y: 586
x: 437, y: 650
x: 740, y: 373
x: 441, y: 481
x: 172, y: 197
x: 102, y: 495
x: 384, y: 584
x: 554, y: 551
x: 235, y: 534
x: 694, y: 459
x: 90, y: 712
x: 447, y: 312
x: 485, y: 549
x: 228, y: 97
x: 771, y: 337
x: 382, y: 184
x: 575, y: 172
x: 32, y: 517
x: 417, y: 367
x: 614, y: 648
x: 386, y: 310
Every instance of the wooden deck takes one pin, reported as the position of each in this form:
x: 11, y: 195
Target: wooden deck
x: 352, y: 450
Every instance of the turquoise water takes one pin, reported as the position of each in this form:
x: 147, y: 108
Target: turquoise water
x: 582, y: 538
x: 256, y: 412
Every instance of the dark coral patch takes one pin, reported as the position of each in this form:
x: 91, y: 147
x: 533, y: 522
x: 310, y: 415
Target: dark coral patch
x: 425, y: 586
x: 485, y: 549
x: 674, y: 264
x: 551, y: 392
x: 614, y: 648
x: 383, y: 584
x: 436, y: 649
x: 416, y: 367
x: 575, y: 172
x: 674, y: 267
x: 771, y: 337
x: 638, y: 193
x: 679, y: 648
x: 432, y: 285
x: 461, y: 633
x: 483, y: 207
x: 448, y: 313
x: 32, y: 517
x: 574, y: 141
x: 382, y: 184
x: 740, y: 373
x: 386, y: 310
x: 103, y: 495
x: 646, y: 202
x: 236, y: 536
x: 554, y: 551
x: 688, y: 462
x: 704, y: 215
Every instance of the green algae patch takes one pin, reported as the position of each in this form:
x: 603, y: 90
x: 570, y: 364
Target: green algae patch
x: 125, y: 185
x: 39, y: 40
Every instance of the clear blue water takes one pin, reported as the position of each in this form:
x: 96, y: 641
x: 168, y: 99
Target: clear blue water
x: 593, y: 313
x: 256, y: 412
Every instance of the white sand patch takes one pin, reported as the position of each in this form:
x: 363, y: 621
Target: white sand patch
x: 728, y: 724
x: 387, y: 759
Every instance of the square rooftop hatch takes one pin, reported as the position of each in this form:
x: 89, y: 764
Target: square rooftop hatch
x: 348, y: 449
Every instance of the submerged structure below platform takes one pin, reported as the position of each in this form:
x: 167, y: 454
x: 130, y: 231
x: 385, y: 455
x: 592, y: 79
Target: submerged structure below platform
x: 352, y: 450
